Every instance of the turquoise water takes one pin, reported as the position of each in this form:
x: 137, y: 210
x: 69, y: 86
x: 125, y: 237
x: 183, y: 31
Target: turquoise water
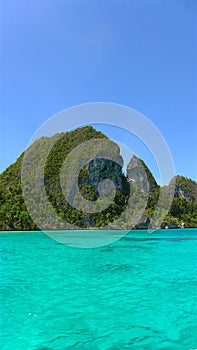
x: 137, y: 293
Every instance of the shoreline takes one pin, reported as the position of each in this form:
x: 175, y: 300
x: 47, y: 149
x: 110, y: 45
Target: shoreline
x: 102, y: 229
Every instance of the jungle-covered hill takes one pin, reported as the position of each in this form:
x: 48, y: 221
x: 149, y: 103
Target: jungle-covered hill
x: 138, y: 184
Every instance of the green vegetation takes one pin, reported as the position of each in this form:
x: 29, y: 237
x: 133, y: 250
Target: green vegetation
x: 131, y: 204
x: 184, y: 204
x: 13, y: 212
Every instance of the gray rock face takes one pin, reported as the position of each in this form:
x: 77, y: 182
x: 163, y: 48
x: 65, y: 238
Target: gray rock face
x: 104, y: 169
x: 180, y: 192
x: 104, y: 172
x: 183, y: 188
x: 137, y: 174
x: 140, y: 175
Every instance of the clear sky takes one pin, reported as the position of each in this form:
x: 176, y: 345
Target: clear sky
x: 142, y: 54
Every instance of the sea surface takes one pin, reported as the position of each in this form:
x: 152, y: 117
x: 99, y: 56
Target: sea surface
x: 137, y: 293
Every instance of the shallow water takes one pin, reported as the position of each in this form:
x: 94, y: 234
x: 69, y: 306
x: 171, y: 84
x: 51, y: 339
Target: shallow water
x: 137, y: 293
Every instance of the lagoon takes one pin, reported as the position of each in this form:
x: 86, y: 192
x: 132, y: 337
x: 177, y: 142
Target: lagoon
x: 139, y: 292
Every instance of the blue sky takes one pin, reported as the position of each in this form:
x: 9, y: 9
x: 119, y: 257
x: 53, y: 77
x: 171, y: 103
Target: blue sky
x: 142, y: 54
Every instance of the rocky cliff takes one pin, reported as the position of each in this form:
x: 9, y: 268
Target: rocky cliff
x: 138, y: 173
x: 87, y: 191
